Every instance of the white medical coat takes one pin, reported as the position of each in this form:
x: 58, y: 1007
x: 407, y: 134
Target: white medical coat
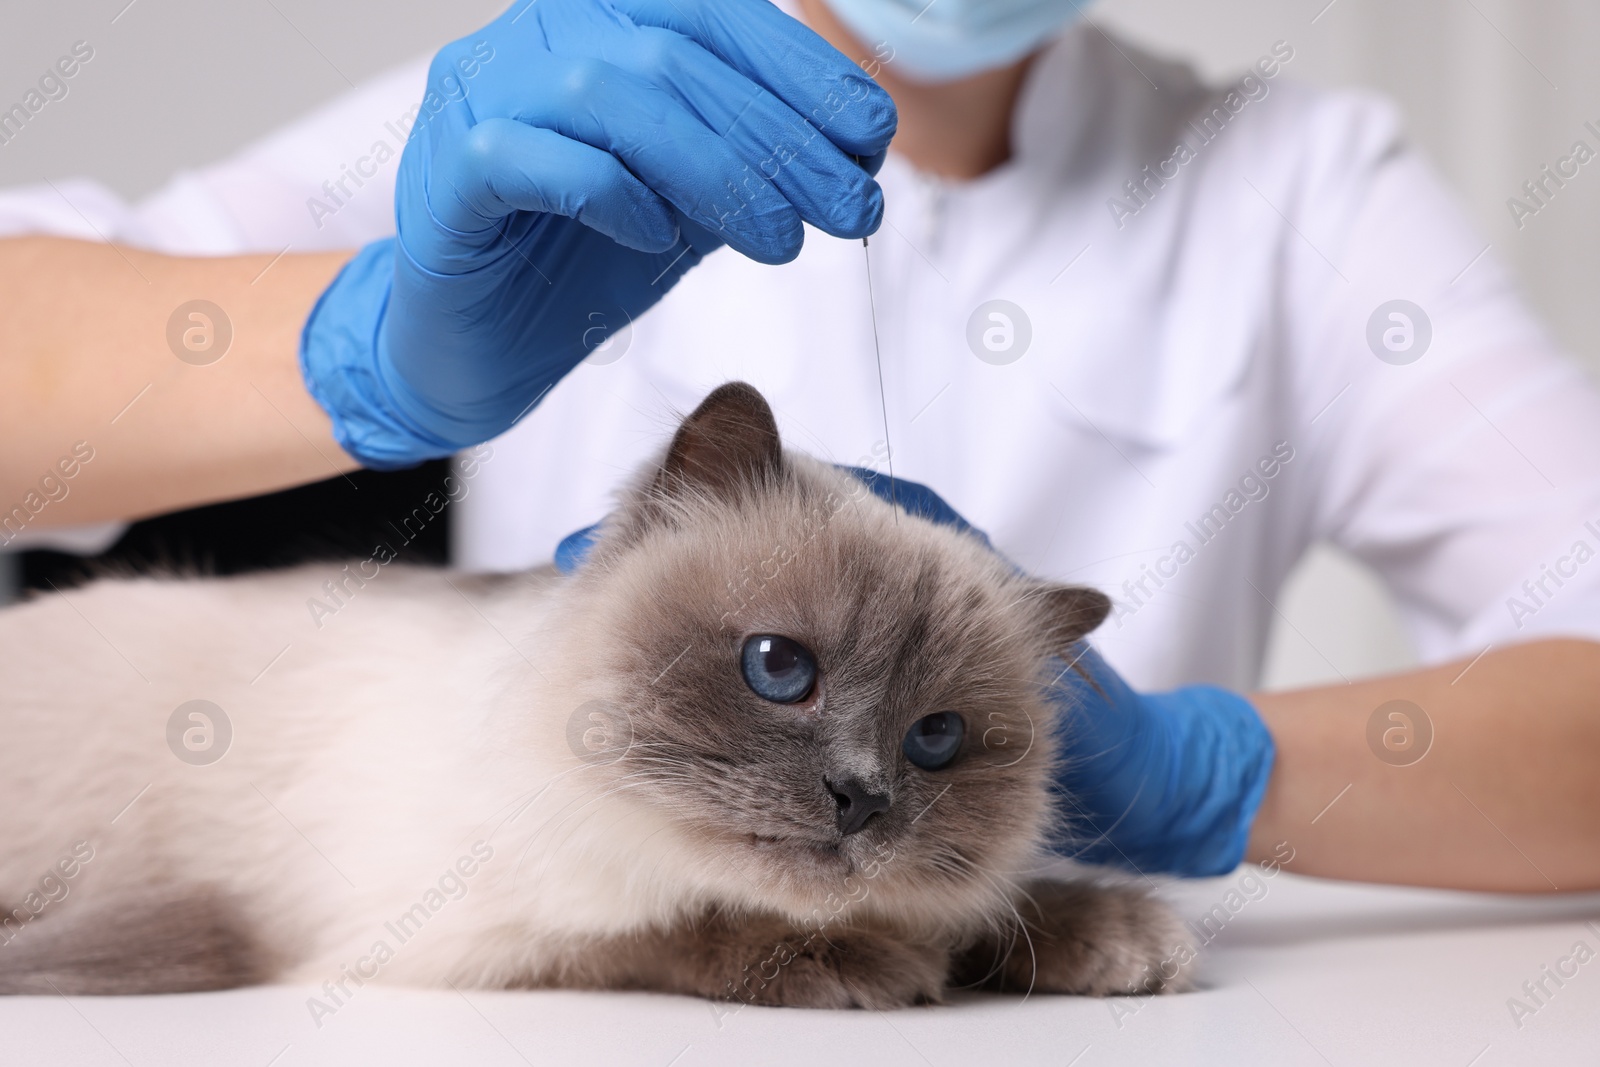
x: 1189, y: 335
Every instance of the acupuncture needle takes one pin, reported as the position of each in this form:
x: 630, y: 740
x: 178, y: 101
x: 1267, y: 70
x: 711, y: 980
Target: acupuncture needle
x: 877, y: 350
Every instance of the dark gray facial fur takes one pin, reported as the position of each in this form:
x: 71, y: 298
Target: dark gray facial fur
x: 732, y: 538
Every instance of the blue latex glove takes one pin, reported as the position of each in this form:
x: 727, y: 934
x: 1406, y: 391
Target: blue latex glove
x: 570, y: 163
x: 1158, y: 783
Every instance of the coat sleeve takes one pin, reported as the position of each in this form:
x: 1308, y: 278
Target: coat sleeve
x: 1456, y: 447
x: 326, y: 181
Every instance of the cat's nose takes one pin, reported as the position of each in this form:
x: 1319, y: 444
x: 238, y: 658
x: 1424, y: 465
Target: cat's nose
x: 856, y: 803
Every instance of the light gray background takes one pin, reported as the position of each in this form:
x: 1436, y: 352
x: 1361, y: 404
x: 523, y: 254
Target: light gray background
x: 1494, y: 89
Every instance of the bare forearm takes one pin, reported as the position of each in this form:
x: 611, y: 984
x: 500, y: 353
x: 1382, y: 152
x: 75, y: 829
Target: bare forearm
x: 1506, y: 797
x: 86, y: 362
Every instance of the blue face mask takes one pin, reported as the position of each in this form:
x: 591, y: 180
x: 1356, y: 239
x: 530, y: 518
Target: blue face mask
x: 950, y: 39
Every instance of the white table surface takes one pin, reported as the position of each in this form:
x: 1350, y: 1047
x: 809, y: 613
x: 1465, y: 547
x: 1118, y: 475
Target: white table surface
x: 1311, y: 973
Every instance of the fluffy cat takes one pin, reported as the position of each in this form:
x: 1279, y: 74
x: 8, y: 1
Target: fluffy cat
x: 772, y: 743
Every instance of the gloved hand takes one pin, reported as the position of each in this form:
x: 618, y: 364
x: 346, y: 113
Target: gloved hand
x: 570, y: 163
x: 1159, y: 782
x: 1153, y: 782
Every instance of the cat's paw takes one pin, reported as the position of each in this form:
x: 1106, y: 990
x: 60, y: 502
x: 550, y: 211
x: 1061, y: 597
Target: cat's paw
x: 1092, y: 940
x: 842, y: 969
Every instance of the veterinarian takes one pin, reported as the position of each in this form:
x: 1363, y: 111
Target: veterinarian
x: 1151, y: 334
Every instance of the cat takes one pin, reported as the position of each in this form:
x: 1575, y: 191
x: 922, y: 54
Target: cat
x: 774, y: 742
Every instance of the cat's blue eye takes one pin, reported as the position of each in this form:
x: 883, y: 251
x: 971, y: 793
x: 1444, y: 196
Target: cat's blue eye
x: 778, y: 669
x: 933, y: 740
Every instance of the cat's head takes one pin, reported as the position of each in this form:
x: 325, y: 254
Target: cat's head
x: 829, y: 699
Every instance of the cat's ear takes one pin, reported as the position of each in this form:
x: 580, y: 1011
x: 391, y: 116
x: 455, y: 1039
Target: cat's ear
x: 1070, y: 612
x: 727, y: 446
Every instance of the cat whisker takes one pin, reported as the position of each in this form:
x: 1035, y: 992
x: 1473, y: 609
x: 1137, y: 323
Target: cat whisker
x: 1105, y: 835
x: 1007, y: 928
